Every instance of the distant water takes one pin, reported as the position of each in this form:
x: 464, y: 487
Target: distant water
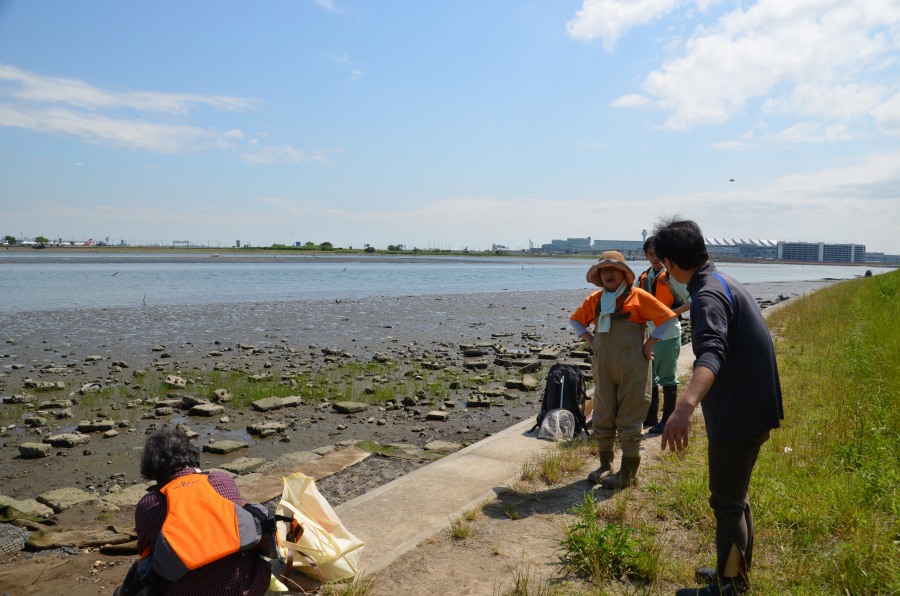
x: 31, y: 281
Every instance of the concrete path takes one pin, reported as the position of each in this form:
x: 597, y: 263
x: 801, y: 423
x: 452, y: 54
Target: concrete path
x: 395, y: 517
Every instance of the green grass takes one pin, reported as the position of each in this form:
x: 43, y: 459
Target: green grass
x: 605, y: 551
x: 824, y: 489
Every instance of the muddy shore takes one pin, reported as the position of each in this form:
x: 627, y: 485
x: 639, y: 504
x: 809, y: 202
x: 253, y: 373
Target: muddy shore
x: 424, y: 336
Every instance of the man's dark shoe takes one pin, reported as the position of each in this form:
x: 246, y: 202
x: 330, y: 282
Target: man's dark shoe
x: 727, y: 587
x: 706, y: 575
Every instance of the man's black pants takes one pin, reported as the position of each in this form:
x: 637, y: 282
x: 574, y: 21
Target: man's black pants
x: 730, y: 466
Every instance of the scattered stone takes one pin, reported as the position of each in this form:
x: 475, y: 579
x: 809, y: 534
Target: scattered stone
x: 44, y: 385
x: 35, y: 450
x: 26, y: 506
x: 88, y: 388
x: 479, y: 401
x: 93, y: 358
x: 21, y: 398
x: 439, y: 415
x: 175, y: 382
x: 128, y: 497
x: 61, y: 499
x: 224, y: 447
x: 80, y: 539
x: 207, y: 410
x: 265, y: 429
x: 443, y: 446
x: 68, y: 440
x: 275, y: 403
x: 349, y: 407
x: 244, y: 465
x: 551, y: 353
x: 93, y: 426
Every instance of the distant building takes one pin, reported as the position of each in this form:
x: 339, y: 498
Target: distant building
x: 733, y: 248
x: 741, y: 248
x: 821, y: 252
x: 569, y: 245
x: 629, y: 248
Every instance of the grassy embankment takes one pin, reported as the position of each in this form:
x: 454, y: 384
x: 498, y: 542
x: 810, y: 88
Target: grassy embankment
x: 825, y: 487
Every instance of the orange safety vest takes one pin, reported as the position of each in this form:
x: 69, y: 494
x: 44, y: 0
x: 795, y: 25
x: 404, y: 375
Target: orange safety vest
x: 201, y: 526
x: 660, y: 289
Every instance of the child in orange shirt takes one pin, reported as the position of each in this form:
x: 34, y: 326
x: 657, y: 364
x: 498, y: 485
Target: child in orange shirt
x: 621, y: 366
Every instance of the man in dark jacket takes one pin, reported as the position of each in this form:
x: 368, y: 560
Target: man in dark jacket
x: 736, y: 377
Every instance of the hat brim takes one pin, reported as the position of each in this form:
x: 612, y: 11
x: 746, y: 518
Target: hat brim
x: 593, y: 274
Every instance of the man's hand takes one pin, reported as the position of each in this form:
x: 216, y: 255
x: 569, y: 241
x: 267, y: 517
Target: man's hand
x: 647, y: 348
x: 678, y: 426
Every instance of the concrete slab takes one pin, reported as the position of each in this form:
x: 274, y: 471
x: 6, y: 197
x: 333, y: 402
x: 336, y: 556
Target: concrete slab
x: 395, y: 517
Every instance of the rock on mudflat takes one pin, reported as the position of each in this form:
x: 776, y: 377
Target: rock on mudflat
x: 127, y: 497
x: 91, y: 426
x: 443, y: 446
x: 349, y: 407
x: 244, y: 465
x: 206, y: 409
x: 275, y: 403
x: 44, y: 385
x: 61, y: 499
x: 26, y: 506
x: 224, y: 447
x: 35, y: 450
x: 439, y: 415
x: 68, y: 440
x: 264, y: 429
x: 175, y: 382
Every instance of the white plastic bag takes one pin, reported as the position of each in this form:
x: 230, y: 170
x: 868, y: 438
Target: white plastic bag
x: 557, y: 425
x: 324, y: 539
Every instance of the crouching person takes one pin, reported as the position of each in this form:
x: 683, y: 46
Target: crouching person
x: 174, y: 521
x: 621, y: 365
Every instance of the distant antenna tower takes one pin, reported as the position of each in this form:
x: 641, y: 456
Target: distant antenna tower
x: 530, y: 245
x: 644, y: 235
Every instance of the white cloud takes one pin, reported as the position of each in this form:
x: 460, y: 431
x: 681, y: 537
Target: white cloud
x: 813, y: 132
x: 609, y: 20
x: 887, y: 115
x: 329, y: 5
x: 118, y: 132
x: 812, y: 58
x: 70, y: 107
x: 272, y: 154
x: 634, y: 100
x: 31, y: 87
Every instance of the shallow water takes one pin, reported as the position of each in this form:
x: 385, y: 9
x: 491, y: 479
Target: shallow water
x: 37, y: 280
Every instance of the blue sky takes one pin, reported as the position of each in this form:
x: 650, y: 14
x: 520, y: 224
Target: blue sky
x: 449, y: 124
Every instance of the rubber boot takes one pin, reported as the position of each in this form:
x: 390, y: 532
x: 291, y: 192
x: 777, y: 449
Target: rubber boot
x: 669, y: 395
x: 626, y: 476
x: 605, y: 469
x: 653, y: 411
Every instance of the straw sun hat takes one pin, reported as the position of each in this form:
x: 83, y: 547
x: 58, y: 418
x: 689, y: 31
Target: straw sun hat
x: 610, y: 258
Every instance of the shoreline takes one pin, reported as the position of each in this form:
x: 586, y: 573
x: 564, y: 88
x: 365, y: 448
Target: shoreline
x: 430, y: 341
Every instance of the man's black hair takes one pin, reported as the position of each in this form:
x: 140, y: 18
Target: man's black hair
x: 166, y: 452
x: 680, y: 241
x: 648, y: 244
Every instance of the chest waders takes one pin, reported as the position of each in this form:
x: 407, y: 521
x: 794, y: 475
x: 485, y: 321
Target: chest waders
x: 621, y: 393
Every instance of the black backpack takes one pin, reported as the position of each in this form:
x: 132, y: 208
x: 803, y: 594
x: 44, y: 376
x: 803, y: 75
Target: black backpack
x: 564, y: 390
